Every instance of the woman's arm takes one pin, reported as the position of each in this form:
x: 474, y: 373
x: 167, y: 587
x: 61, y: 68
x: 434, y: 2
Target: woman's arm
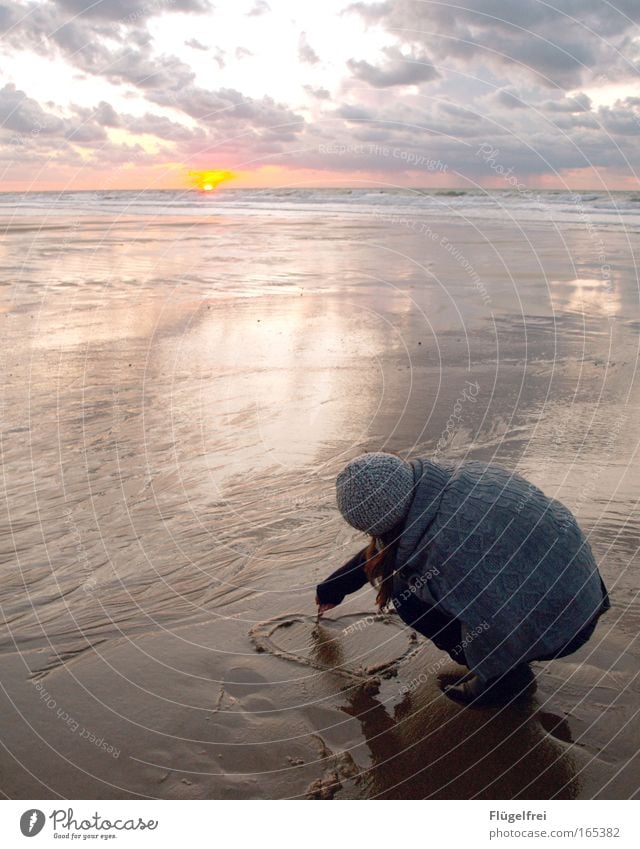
x: 347, y: 579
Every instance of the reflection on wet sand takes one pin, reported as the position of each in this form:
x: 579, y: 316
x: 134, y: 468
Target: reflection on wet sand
x: 430, y: 749
x: 588, y: 296
x: 326, y: 650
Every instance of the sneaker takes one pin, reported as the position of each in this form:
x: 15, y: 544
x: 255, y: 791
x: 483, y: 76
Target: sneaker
x: 517, y: 683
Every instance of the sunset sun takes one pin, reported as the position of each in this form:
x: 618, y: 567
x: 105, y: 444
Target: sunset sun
x: 207, y: 181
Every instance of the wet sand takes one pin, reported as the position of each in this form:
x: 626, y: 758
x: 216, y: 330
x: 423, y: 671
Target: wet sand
x: 178, y: 398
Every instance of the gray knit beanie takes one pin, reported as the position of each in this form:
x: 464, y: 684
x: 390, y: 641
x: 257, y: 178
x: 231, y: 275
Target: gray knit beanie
x: 374, y: 491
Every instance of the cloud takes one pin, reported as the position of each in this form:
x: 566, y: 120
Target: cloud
x: 161, y: 128
x: 400, y: 70
x: 259, y: 8
x: 459, y: 112
x: 623, y: 118
x: 568, y: 122
x: 558, y: 44
x: 48, y: 30
x: 127, y: 57
x: 28, y: 128
x: 99, y: 49
x: 229, y: 112
x: 23, y: 121
x: 370, y: 12
x: 353, y: 113
x: 195, y: 44
x: 106, y: 115
x: 148, y: 124
x: 306, y: 53
x: 509, y: 98
x: 90, y: 34
x: 318, y: 93
x: 129, y: 10
x: 579, y: 103
x: 147, y: 72
x: 23, y: 115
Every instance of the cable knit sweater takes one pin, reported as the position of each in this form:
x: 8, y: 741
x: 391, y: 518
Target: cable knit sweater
x: 486, y: 547
x: 493, y: 551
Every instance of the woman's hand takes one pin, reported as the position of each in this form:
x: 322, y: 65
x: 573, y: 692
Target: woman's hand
x: 347, y: 579
x: 322, y: 608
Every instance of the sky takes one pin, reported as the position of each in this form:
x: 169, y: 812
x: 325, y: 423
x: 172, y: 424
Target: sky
x: 116, y: 94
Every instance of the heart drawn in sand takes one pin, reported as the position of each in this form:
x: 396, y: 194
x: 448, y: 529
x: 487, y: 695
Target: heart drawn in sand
x: 356, y: 646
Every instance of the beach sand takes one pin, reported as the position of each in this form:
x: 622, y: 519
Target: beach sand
x: 179, y: 395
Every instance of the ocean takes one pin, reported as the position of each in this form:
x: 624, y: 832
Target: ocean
x: 566, y: 208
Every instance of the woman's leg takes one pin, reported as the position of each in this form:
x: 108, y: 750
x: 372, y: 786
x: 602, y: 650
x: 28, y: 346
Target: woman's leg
x: 444, y: 631
x: 583, y: 636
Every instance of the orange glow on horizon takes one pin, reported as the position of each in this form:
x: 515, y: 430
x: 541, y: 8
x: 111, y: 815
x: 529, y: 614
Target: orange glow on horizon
x: 207, y: 181
x: 174, y: 176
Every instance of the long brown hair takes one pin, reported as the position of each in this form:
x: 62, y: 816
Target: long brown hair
x: 379, y: 570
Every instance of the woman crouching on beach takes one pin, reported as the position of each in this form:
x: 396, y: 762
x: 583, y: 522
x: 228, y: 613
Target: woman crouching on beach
x: 475, y: 558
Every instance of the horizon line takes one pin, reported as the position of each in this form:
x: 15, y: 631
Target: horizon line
x: 441, y: 189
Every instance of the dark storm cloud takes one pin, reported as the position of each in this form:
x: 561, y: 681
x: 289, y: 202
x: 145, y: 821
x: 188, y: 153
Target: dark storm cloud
x: 399, y: 70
